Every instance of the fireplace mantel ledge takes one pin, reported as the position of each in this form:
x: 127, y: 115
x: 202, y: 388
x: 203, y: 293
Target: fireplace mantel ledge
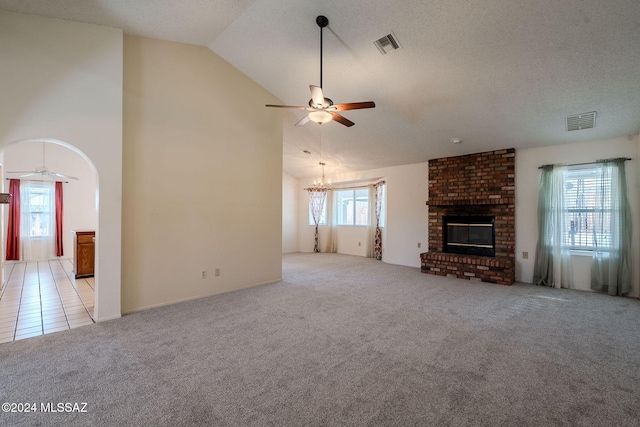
x: 499, y: 200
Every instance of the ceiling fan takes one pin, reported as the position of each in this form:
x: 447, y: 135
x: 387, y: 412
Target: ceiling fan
x: 43, y: 171
x: 321, y: 109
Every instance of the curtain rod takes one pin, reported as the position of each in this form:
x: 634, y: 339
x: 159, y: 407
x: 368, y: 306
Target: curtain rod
x: 585, y: 163
x: 36, y: 180
x: 349, y: 187
x: 343, y: 188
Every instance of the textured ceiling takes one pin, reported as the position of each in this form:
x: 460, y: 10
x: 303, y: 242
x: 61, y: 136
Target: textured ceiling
x: 497, y: 74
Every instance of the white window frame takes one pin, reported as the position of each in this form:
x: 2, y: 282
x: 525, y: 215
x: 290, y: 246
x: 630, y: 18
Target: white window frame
x: 39, y: 190
x: 580, y: 206
x: 340, y: 215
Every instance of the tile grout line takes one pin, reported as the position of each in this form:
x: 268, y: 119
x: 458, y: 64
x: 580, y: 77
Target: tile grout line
x: 5, y: 285
x: 73, y: 285
x: 4, y: 289
x: 37, y: 267
x: 40, y: 296
x: 37, y: 271
x: 55, y: 282
x: 15, y: 329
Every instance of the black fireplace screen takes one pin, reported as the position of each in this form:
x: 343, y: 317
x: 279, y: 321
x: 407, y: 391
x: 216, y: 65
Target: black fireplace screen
x: 473, y: 235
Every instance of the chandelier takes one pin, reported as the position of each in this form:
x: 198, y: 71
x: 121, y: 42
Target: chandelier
x: 322, y: 183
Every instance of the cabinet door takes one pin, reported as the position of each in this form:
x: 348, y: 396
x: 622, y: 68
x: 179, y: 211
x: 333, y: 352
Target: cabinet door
x: 83, y: 253
x: 86, y: 254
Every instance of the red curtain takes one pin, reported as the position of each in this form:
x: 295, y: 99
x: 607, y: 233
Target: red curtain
x: 13, y: 229
x: 59, y: 217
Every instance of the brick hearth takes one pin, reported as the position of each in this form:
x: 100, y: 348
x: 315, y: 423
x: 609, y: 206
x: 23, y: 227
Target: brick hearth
x: 472, y: 185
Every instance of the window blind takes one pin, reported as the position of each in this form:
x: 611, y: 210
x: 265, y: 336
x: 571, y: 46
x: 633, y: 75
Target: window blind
x: 581, y: 205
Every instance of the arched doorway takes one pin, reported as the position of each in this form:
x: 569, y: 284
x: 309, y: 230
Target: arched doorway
x: 80, y: 213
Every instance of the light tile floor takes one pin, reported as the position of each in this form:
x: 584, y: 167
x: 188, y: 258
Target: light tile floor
x: 41, y: 297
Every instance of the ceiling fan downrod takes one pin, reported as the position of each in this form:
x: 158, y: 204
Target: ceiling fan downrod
x: 322, y: 22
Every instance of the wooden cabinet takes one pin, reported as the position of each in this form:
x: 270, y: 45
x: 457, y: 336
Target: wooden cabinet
x: 83, y: 253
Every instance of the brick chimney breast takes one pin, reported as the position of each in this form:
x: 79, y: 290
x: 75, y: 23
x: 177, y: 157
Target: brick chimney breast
x: 481, y: 184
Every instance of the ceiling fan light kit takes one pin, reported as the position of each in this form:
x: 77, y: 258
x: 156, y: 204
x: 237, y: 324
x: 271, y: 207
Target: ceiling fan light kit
x: 321, y: 109
x: 320, y: 116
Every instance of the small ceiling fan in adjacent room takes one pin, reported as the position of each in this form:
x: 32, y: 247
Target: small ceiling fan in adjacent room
x: 321, y: 109
x: 42, y: 171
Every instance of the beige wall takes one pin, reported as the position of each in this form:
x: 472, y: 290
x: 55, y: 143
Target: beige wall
x: 290, y: 196
x: 62, y: 81
x: 202, y: 173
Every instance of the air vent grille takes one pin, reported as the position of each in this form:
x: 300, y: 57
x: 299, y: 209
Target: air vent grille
x: 387, y: 43
x: 581, y: 121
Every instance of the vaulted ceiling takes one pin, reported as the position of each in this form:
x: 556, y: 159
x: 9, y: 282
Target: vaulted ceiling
x: 496, y: 74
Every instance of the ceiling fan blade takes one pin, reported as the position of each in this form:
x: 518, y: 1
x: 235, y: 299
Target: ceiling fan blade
x: 20, y: 172
x: 287, y: 106
x: 61, y: 176
x: 342, y: 120
x: 354, y: 106
x: 303, y: 121
x: 317, y: 96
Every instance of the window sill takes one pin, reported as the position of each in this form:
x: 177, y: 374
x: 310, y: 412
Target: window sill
x: 581, y: 253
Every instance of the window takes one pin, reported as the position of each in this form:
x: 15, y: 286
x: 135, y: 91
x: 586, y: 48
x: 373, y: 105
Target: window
x: 584, y: 208
x: 352, y: 206
x: 581, y: 207
x: 39, y: 206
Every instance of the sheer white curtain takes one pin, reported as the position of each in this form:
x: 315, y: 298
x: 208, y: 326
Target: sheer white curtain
x: 563, y: 270
x: 611, y: 266
x: 553, y: 259
x: 37, y: 220
x: 332, y: 238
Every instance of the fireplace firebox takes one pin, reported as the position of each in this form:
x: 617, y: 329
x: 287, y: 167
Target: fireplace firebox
x: 471, y: 235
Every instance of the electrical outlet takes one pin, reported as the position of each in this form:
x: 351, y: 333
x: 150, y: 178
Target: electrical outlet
x: 419, y: 244
x: 525, y: 255
x: 217, y: 272
x: 203, y: 274
x: 359, y: 243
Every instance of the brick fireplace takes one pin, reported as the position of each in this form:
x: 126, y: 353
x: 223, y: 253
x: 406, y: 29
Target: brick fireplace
x: 466, y: 188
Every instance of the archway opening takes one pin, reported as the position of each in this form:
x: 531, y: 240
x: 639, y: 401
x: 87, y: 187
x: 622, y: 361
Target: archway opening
x: 37, y: 163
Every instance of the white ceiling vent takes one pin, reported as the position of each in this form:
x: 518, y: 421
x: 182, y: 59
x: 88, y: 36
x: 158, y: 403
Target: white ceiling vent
x: 387, y: 43
x: 581, y: 121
